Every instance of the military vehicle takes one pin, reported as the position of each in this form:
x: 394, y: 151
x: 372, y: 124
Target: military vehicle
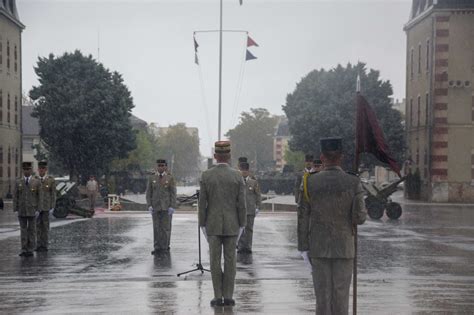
x: 66, y: 201
x: 378, y: 200
x: 282, y: 183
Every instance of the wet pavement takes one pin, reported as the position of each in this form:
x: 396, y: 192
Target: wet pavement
x: 422, y: 263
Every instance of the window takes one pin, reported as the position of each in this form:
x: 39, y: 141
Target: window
x: 419, y: 58
x: 15, y: 54
x: 9, y: 156
x: 419, y: 111
x: 1, y: 52
x: 411, y: 112
x: 1, y: 155
x: 427, y: 108
x: 8, y: 54
x: 16, y: 103
x: 8, y: 101
x: 411, y: 63
x: 1, y: 107
x: 427, y: 55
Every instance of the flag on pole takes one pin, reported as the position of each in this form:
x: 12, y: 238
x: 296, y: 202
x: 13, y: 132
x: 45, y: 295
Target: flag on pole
x: 369, y: 136
x: 251, y: 42
x: 241, y: 1
x: 196, y: 59
x: 249, y: 56
x: 196, y: 46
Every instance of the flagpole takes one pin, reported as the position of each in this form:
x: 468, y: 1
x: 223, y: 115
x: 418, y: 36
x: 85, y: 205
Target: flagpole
x: 354, y: 226
x: 220, y: 76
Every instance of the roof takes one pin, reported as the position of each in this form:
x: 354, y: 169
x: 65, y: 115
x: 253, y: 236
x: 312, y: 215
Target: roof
x: 422, y: 8
x: 30, y: 124
x: 9, y: 10
x: 137, y: 123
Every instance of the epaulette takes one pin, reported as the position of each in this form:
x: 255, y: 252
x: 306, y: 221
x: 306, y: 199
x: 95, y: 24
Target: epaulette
x: 352, y: 173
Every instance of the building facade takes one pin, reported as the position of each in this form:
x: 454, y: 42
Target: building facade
x: 280, y: 143
x: 440, y: 98
x: 30, y: 136
x: 10, y: 95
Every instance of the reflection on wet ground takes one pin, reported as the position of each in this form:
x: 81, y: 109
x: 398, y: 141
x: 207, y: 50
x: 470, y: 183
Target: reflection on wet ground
x: 419, y: 264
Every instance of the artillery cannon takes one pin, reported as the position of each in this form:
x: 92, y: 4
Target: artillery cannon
x: 66, y: 203
x: 378, y: 200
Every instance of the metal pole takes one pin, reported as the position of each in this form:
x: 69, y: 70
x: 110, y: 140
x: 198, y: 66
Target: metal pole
x: 220, y: 75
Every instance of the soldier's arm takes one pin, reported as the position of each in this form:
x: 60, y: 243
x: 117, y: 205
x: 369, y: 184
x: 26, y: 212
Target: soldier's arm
x: 173, y: 193
x: 258, y: 195
x: 297, y: 188
x: 303, y: 229
x: 16, y: 196
x: 359, y: 213
x: 149, y: 192
x: 241, y: 204
x: 53, y: 194
x: 202, y: 202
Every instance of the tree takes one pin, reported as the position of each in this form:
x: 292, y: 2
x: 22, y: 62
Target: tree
x: 83, y: 111
x: 323, y: 105
x: 180, y: 146
x: 294, y: 158
x: 143, y: 157
x: 253, y: 137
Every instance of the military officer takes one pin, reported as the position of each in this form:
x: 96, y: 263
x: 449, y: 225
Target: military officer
x: 308, y: 164
x: 317, y: 166
x: 222, y: 218
x: 253, y: 201
x: 47, y: 202
x: 161, y: 202
x: 25, y: 202
x: 334, y: 205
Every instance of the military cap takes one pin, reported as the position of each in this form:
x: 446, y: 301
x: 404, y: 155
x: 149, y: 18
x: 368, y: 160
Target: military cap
x: 243, y: 159
x: 330, y: 144
x: 308, y: 158
x: 42, y: 163
x: 221, y: 147
x: 160, y: 161
x: 26, y: 165
x: 317, y: 161
x: 244, y: 166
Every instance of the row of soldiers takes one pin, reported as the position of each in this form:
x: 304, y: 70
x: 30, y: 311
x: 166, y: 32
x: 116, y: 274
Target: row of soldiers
x: 34, y: 199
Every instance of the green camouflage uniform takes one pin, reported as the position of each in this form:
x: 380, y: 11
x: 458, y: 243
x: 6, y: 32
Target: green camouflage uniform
x: 335, y: 204
x: 25, y: 202
x: 253, y: 200
x: 161, y: 195
x: 47, y: 201
x: 222, y: 212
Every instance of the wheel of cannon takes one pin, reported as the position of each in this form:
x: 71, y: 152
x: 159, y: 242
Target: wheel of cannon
x: 374, y: 207
x: 394, y: 210
x: 62, y: 208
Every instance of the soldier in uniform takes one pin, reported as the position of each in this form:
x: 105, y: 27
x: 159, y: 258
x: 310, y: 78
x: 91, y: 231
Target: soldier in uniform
x: 47, y: 202
x: 334, y: 204
x: 25, y: 202
x: 161, y: 202
x: 222, y: 218
x: 317, y: 166
x: 253, y: 201
x: 308, y: 164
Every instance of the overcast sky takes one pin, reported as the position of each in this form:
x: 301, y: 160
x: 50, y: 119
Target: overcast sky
x: 151, y: 44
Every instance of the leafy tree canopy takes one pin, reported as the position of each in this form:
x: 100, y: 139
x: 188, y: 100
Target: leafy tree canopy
x: 253, y: 138
x: 83, y: 111
x: 323, y: 105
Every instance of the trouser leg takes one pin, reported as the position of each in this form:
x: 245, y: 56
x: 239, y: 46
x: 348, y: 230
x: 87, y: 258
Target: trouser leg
x: 229, y: 243
x: 322, y: 281
x: 215, y: 253
x: 245, y: 241
x: 156, y: 234
x: 42, y: 229
x: 31, y: 233
x: 23, y: 233
x: 164, y: 232
x: 341, y: 279
x: 171, y: 225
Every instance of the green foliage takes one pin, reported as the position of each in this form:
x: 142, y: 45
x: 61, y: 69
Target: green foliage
x: 323, y: 105
x: 181, y: 148
x: 294, y: 158
x: 253, y: 138
x: 143, y: 157
x: 83, y: 112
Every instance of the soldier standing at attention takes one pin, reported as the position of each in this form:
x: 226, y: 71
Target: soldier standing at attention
x: 92, y: 188
x: 161, y: 202
x: 334, y: 204
x: 253, y: 200
x: 47, y: 202
x: 25, y: 202
x: 222, y: 218
x: 308, y: 164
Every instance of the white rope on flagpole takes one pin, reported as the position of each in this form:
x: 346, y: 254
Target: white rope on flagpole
x: 238, y: 91
x: 204, y: 103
